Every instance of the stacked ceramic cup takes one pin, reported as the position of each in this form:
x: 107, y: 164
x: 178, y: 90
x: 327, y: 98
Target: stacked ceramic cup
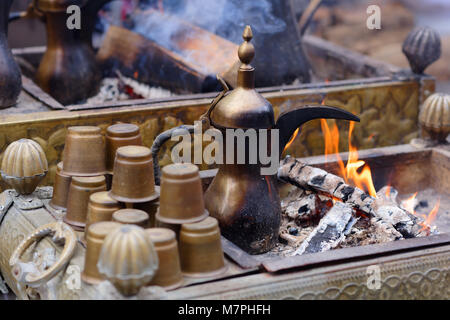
x: 84, y: 165
x: 133, y: 183
x: 183, y: 211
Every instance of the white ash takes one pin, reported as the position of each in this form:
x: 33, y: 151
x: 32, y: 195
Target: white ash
x: 111, y: 89
x: 331, y: 230
x: 146, y: 91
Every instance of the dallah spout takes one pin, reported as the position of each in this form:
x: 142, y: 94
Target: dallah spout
x: 288, y: 122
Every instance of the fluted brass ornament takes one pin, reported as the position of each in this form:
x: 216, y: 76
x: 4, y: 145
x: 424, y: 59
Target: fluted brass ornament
x: 434, y: 117
x: 422, y: 47
x: 128, y: 259
x: 24, y: 165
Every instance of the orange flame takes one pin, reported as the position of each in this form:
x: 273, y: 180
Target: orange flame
x: 136, y: 74
x: 355, y: 171
x: 291, y: 140
x: 428, y: 219
x: 388, y: 191
x: 410, y: 203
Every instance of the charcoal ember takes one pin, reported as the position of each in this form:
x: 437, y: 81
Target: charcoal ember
x: 387, y: 208
x: 293, y: 231
x: 305, y: 208
x: 331, y: 230
x: 370, y: 231
x: 294, y: 241
x: 302, y: 209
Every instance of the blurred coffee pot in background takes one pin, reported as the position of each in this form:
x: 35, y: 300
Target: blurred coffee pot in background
x: 10, y: 77
x: 68, y: 70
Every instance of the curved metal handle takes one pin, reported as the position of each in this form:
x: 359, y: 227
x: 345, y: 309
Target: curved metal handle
x: 289, y: 121
x: 159, y: 142
x: 61, y: 233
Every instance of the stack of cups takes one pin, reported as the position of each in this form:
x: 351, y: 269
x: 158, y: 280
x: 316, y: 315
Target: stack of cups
x: 133, y: 180
x: 84, y: 161
x: 102, y: 205
x: 119, y: 135
x: 182, y: 210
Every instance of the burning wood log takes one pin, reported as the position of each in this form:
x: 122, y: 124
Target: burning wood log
x: 190, y: 65
x: 331, y: 230
x: 387, y: 208
x: 384, y: 207
x: 303, y: 176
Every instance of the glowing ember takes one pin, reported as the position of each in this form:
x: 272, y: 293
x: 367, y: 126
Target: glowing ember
x: 355, y: 171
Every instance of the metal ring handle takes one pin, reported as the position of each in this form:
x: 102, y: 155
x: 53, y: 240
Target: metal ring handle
x: 60, y: 233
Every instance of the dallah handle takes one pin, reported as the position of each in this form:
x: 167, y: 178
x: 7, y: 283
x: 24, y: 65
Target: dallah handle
x: 61, y: 233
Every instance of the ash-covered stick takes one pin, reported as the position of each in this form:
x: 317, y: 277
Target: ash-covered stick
x: 331, y: 230
x: 307, y: 177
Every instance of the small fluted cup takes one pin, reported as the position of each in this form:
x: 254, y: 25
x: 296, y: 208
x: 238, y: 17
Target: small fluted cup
x: 84, y: 152
x: 120, y: 135
x: 181, y: 199
x: 95, y: 237
x: 101, y: 208
x: 201, y: 252
x: 133, y: 178
x: 77, y: 202
x: 131, y: 216
x: 60, y: 189
x: 169, y: 274
x: 128, y: 259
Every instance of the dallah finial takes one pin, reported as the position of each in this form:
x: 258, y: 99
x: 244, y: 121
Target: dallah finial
x: 246, y: 49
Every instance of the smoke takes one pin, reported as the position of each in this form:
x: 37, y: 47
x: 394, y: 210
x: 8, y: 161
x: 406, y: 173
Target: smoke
x: 226, y: 18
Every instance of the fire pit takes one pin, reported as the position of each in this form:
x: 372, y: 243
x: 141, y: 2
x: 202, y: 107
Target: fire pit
x: 408, y: 269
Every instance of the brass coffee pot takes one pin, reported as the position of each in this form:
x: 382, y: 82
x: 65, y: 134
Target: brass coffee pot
x: 68, y: 70
x: 245, y: 202
x: 10, y: 78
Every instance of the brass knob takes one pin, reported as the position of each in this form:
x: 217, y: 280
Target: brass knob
x: 246, y: 50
